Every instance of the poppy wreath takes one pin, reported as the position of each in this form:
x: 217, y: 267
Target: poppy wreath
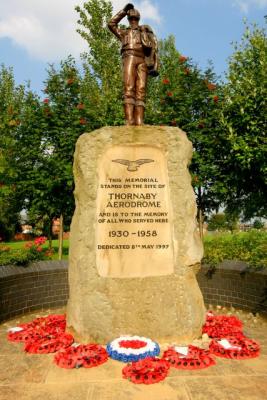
x: 195, y: 358
x: 235, y: 347
x: 88, y: 356
x: 49, y: 343
x: 52, y: 324
x: 147, y: 371
x: 220, y: 326
x: 132, y: 348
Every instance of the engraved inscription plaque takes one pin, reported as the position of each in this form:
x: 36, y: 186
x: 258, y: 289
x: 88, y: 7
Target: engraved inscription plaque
x: 134, y: 235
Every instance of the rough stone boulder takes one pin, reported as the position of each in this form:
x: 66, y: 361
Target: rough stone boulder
x: 130, y: 271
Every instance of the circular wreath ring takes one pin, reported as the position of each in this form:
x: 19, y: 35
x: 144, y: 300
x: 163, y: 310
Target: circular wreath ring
x: 48, y: 344
x: 217, y: 326
x: 24, y: 335
x: 132, y: 348
x: 52, y: 324
x: 147, y: 371
x: 88, y: 356
x: 241, y: 348
x: 195, y: 359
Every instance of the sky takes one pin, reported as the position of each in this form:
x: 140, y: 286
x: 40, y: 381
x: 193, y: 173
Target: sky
x: 35, y: 33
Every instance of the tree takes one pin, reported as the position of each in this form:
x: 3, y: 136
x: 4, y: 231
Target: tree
x: 61, y: 118
x: 102, y: 83
x: 222, y: 222
x: 245, y: 121
x: 11, y: 104
x: 258, y: 224
x: 185, y: 96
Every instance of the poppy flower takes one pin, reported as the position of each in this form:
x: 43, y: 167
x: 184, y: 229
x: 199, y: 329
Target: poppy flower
x: 187, y: 71
x: 70, y: 81
x: 40, y: 240
x: 49, y: 253
x: 169, y: 94
x: 215, y: 99
x: 182, y: 59
x: 82, y: 121
x: 211, y: 86
x: 46, y: 101
x: 165, y: 81
x: 80, y: 106
x: 28, y: 245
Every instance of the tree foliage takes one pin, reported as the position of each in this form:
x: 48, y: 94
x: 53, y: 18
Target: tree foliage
x: 222, y: 222
x: 244, y: 118
x: 102, y: 83
x: 12, y: 99
x: 185, y: 96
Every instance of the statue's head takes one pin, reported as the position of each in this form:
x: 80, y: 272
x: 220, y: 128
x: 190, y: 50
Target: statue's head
x: 133, y: 16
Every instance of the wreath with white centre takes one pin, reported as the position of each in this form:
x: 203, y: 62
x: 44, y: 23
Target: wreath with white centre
x: 132, y: 348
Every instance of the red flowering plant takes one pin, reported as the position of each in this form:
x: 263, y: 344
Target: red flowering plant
x: 36, y: 249
x: 32, y: 251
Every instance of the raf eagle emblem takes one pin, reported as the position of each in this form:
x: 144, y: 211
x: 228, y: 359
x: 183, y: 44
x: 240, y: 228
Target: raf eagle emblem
x: 133, y: 165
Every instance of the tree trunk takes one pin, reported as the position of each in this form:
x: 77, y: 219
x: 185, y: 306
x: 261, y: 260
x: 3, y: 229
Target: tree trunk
x: 200, y: 223
x: 60, y: 237
x: 200, y: 215
x: 50, y: 222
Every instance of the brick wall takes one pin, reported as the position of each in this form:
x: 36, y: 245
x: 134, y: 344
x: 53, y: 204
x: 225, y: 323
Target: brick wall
x: 233, y: 285
x: 45, y: 284
x: 38, y: 286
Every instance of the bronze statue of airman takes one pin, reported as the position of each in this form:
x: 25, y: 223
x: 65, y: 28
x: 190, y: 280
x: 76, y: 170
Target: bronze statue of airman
x: 140, y: 58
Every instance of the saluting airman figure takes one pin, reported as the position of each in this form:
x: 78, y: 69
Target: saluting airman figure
x: 140, y: 58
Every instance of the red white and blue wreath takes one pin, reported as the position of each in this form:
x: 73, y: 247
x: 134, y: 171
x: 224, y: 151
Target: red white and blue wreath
x: 132, y: 348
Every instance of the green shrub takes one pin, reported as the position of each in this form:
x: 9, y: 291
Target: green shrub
x: 250, y: 247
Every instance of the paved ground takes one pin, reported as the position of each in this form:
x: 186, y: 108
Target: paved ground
x: 35, y: 377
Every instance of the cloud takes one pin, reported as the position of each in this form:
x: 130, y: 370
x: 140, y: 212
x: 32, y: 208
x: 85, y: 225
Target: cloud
x: 246, y: 5
x: 47, y: 29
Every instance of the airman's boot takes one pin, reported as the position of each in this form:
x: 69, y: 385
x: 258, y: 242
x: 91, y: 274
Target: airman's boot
x: 139, y: 115
x: 129, y: 113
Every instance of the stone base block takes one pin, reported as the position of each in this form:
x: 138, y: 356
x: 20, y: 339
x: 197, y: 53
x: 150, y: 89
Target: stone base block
x: 134, y: 274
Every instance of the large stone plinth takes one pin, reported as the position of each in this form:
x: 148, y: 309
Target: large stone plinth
x: 134, y: 247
